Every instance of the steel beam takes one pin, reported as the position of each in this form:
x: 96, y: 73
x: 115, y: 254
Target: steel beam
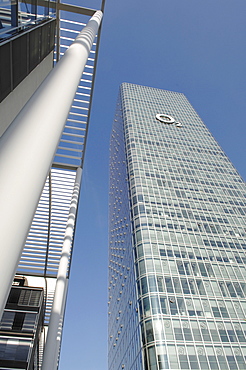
x: 27, y: 149
x: 53, y: 341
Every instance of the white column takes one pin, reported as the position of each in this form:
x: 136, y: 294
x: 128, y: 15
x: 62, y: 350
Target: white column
x: 27, y: 149
x: 52, y: 345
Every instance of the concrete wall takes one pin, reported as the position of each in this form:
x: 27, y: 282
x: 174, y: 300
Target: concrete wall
x: 15, y: 101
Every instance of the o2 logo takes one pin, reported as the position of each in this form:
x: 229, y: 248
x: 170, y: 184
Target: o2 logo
x: 165, y: 118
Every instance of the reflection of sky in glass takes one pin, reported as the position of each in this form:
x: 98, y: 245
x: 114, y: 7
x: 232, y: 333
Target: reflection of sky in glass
x: 14, y: 15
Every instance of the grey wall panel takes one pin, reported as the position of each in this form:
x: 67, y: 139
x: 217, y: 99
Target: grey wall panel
x: 5, y: 71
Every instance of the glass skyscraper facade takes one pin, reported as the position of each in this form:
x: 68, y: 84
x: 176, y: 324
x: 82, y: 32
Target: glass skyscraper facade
x: 177, y: 291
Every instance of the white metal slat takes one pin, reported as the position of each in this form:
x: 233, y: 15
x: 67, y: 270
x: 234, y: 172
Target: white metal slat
x: 34, y: 252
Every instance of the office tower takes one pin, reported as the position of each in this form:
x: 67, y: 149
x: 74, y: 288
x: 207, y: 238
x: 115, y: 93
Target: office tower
x: 34, y: 35
x: 176, y: 240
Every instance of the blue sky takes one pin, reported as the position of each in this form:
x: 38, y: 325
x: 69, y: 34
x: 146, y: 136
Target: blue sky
x: 195, y: 47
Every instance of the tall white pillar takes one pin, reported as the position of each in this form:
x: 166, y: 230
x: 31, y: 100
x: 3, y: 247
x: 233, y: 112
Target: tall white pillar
x: 53, y: 341
x: 27, y: 149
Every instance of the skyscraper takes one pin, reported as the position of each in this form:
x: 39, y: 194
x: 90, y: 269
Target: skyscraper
x: 34, y: 35
x: 177, y: 292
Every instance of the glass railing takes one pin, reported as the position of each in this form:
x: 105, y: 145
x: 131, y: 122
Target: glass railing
x: 18, y: 15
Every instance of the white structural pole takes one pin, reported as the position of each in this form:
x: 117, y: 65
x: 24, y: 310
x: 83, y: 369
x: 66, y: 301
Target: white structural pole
x: 52, y: 345
x: 27, y: 149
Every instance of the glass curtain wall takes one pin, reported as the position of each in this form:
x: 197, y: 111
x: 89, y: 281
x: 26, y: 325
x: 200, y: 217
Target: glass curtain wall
x: 187, y: 206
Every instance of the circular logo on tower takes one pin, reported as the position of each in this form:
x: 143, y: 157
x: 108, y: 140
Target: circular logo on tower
x: 167, y: 119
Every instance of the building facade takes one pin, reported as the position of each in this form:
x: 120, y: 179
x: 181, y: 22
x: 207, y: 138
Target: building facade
x: 33, y: 37
x: 177, y: 291
x: 21, y: 327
